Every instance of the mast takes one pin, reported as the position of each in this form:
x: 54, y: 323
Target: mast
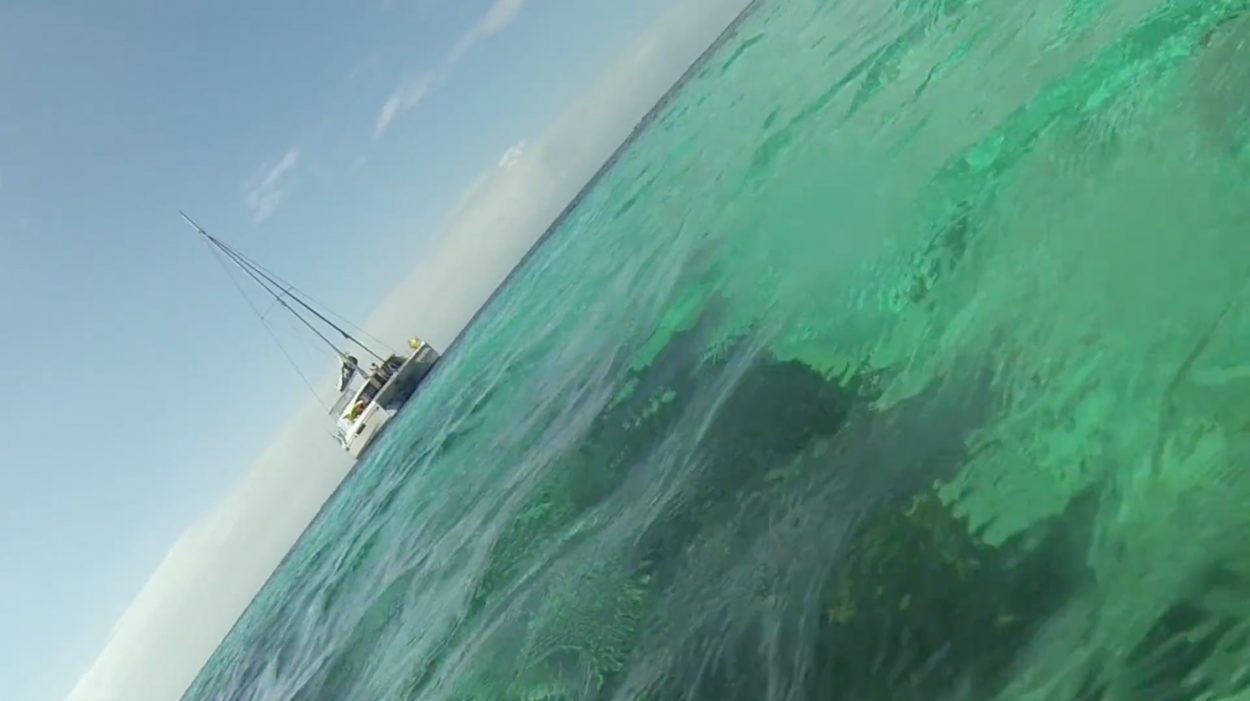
x: 265, y: 281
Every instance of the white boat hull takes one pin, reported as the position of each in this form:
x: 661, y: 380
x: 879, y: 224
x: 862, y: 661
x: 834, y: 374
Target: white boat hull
x: 358, y: 435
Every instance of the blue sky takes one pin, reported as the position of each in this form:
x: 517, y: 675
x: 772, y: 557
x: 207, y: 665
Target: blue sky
x: 312, y: 135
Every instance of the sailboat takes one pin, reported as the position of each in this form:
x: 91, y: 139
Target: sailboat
x: 368, y: 398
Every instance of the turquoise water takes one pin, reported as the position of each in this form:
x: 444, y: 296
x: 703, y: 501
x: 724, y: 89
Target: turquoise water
x: 904, y: 355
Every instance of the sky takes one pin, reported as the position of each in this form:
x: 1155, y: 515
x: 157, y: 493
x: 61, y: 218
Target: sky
x: 395, y: 158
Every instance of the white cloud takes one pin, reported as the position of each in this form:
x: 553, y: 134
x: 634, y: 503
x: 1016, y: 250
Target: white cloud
x: 263, y: 191
x: 405, y: 97
x: 496, y: 19
x: 512, y: 155
x: 409, y: 93
x: 214, y: 570
x: 499, y: 16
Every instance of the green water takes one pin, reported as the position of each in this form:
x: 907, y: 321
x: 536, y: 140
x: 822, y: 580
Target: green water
x: 904, y: 355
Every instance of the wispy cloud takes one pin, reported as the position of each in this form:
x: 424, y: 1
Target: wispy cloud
x: 264, y: 190
x: 512, y: 155
x: 408, y: 95
x: 496, y: 19
x: 412, y: 90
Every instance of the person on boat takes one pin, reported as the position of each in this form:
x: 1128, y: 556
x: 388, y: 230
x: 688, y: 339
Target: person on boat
x: 346, y: 370
x: 379, y: 373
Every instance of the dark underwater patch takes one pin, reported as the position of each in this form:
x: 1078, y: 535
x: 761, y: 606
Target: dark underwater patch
x: 920, y: 609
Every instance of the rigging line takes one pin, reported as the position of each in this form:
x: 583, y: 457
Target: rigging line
x: 234, y: 257
x: 269, y: 308
x: 255, y: 270
x: 278, y: 342
x: 246, y: 266
x: 278, y: 298
x: 306, y: 301
x: 308, y: 384
x: 289, y: 288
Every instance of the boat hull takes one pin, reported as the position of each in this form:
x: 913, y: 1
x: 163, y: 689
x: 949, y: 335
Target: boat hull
x: 389, y: 400
x: 404, y: 382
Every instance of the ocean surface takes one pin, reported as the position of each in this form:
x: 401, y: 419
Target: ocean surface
x: 903, y: 355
